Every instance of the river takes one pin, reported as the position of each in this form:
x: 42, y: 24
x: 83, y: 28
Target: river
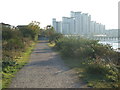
x: 114, y: 44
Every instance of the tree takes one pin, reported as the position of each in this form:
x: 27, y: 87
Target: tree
x: 31, y: 30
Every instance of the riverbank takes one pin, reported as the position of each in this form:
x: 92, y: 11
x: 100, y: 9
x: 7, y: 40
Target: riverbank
x: 92, y: 74
x: 90, y: 60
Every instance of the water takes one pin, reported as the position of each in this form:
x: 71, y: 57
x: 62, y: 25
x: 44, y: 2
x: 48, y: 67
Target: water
x: 115, y: 45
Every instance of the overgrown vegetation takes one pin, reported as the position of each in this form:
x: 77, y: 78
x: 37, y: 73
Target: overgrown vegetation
x: 17, y: 44
x: 96, y: 64
x: 51, y: 34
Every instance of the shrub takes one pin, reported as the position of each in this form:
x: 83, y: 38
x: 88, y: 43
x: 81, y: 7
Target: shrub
x: 15, y: 40
x: 85, y: 48
x: 96, y: 69
x: 14, y: 44
x: 100, y: 62
x: 7, y: 62
x: 76, y: 47
x: 27, y: 32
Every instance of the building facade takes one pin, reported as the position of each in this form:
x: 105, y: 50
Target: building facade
x: 78, y: 23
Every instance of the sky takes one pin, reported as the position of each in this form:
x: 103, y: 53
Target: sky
x: 22, y: 12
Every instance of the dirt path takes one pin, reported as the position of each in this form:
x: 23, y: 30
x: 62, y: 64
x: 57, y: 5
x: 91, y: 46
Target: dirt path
x: 45, y: 70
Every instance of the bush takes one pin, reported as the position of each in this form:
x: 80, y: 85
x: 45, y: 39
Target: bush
x: 14, y: 44
x: 7, y: 62
x: 16, y: 40
x: 77, y: 47
x: 85, y: 48
x: 100, y: 62
x: 27, y: 32
x: 96, y: 69
x: 55, y: 37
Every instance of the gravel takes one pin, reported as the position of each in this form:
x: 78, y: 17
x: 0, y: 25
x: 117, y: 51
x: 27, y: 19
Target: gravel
x: 46, y: 70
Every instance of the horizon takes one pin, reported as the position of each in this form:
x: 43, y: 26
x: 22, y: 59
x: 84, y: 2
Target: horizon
x: 23, y: 12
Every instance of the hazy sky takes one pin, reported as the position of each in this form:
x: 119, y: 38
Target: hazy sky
x: 17, y: 12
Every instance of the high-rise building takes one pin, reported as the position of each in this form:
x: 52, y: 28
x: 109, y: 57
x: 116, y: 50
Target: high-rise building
x: 65, y: 25
x: 59, y: 27
x: 54, y: 23
x: 92, y: 27
x: 78, y: 23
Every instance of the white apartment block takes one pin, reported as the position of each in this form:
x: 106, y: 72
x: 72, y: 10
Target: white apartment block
x: 92, y: 28
x: 78, y: 23
x: 57, y: 25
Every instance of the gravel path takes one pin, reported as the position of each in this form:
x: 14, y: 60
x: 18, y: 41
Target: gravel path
x: 45, y: 70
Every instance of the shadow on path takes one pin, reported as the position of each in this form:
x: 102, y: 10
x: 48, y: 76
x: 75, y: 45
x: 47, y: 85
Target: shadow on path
x: 45, y: 70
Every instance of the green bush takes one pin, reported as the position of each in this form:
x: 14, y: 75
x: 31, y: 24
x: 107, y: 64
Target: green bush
x: 14, y: 44
x: 7, y: 62
x: 96, y: 69
x: 27, y: 32
x: 77, y: 47
x: 55, y: 37
x: 84, y: 48
x: 9, y: 33
x: 100, y: 62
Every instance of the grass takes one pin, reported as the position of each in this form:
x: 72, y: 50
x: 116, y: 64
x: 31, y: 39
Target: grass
x: 51, y: 44
x: 93, y: 80
x: 12, y: 70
